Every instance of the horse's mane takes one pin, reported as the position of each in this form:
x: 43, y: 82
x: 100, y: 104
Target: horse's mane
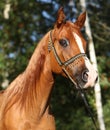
x: 26, y: 82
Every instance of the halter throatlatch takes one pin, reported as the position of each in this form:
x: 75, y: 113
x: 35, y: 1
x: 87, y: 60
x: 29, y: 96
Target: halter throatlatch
x: 66, y: 63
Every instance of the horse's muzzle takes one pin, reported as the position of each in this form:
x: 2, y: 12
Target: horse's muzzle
x: 90, y: 79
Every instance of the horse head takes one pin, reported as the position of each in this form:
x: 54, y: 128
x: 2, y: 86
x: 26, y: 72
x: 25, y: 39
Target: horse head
x: 67, y: 51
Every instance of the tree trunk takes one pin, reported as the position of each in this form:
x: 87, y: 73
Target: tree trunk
x: 6, y: 9
x: 97, y: 88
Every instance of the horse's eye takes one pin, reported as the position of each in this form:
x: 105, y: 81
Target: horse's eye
x: 64, y: 42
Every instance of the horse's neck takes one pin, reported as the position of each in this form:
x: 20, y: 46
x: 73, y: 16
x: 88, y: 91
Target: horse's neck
x: 39, y: 71
x: 32, y: 88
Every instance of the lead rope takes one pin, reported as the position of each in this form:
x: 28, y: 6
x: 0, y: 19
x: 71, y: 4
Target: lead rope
x: 83, y: 95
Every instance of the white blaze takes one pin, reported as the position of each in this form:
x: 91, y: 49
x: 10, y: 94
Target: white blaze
x: 79, y: 42
x: 92, y: 74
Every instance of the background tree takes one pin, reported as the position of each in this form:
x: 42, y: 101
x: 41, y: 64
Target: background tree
x: 19, y: 34
x: 92, y: 55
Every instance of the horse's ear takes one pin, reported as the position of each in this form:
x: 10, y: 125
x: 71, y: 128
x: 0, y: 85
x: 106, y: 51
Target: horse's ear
x: 60, y: 18
x: 81, y: 20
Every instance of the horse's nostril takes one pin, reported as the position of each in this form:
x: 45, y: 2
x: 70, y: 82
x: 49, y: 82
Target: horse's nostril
x: 85, y: 75
x: 96, y: 79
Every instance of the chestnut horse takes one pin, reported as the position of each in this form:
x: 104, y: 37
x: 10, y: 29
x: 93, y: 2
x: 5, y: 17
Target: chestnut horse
x: 24, y: 105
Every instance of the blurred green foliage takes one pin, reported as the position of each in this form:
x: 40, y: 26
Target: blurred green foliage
x: 28, y: 22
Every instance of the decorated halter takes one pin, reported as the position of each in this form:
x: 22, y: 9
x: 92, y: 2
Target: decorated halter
x: 66, y: 63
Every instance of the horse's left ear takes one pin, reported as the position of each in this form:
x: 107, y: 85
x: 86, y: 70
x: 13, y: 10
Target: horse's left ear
x: 60, y: 18
x: 81, y: 20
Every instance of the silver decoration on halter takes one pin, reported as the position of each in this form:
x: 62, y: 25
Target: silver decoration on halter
x: 49, y: 45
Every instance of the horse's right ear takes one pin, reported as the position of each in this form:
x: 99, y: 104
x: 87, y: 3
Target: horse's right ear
x: 81, y: 20
x: 60, y: 18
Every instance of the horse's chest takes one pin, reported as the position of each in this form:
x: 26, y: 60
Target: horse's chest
x: 47, y: 122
